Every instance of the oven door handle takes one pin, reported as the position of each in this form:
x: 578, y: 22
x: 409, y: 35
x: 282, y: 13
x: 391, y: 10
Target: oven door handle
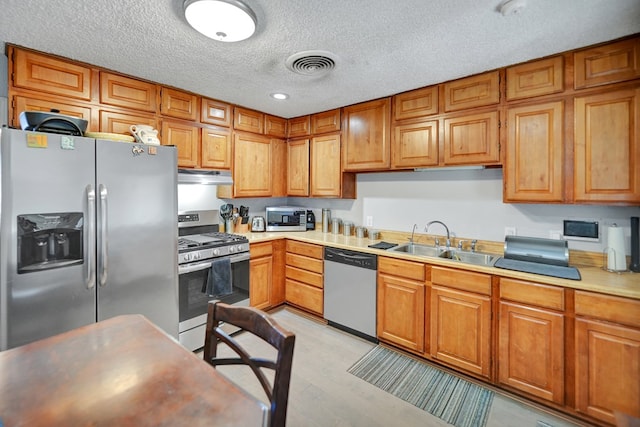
x: 190, y: 268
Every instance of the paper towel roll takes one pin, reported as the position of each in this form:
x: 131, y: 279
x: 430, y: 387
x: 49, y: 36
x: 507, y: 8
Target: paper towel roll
x: 616, y: 258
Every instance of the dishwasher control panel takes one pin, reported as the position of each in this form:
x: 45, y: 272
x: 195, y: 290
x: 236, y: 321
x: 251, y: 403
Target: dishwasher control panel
x: 356, y: 259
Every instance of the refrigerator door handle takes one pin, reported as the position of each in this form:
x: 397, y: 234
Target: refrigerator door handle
x: 91, y: 237
x: 102, y: 253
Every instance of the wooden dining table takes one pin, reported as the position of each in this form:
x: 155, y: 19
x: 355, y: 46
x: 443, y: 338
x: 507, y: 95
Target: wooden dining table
x: 123, y: 371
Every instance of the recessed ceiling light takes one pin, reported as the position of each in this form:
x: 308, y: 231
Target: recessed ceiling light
x: 279, y: 96
x: 223, y: 20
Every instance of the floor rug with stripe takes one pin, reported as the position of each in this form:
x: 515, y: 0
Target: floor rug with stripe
x: 452, y: 399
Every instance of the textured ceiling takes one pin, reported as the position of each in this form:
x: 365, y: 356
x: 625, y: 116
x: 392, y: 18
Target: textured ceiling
x: 382, y: 47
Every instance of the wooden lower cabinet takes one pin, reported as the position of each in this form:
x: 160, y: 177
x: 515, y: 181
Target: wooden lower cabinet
x: 607, y: 357
x: 531, y: 351
x: 401, y: 303
x: 607, y: 370
x: 531, y: 339
x: 304, y: 276
x: 461, y: 320
x: 261, y: 275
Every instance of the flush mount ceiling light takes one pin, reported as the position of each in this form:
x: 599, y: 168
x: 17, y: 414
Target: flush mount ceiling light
x: 223, y: 20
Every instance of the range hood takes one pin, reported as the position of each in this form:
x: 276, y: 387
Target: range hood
x: 206, y: 177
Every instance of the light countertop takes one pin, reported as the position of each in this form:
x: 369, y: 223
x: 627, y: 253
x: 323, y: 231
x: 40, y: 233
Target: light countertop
x: 594, y: 279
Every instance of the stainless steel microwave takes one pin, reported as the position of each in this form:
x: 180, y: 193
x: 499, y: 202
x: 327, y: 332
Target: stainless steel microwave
x: 286, y: 218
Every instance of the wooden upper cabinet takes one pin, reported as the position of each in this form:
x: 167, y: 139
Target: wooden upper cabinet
x: 252, y: 167
x: 275, y: 126
x: 472, y: 139
x: 470, y: 92
x: 178, y: 104
x: 326, y: 177
x: 325, y: 122
x: 215, y: 112
x: 606, y: 64
x: 416, y: 103
x: 216, y: 148
x: 534, y: 160
x: 30, y: 104
x: 248, y: 120
x: 415, y: 145
x: 279, y: 167
x: 607, y: 147
x: 113, y: 122
x: 121, y: 91
x: 298, y: 168
x: 50, y: 75
x: 299, y: 126
x: 367, y: 136
x: 535, y: 78
x: 186, y: 138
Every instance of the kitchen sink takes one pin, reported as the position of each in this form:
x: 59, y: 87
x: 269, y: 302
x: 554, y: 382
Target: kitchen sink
x: 476, y: 258
x: 417, y: 249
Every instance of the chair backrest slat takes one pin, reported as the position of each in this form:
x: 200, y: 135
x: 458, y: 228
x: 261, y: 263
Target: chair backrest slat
x: 263, y: 326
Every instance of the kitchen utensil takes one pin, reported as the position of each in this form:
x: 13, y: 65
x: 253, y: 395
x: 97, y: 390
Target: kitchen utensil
x: 257, y: 224
x: 145, y: 134
x: 53, y: 122
x: 326, y: 220
x: 347, y: 226
x: 335, y: 225
x: 110, y: 136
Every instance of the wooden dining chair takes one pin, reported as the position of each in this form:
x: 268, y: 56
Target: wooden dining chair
x: 261, y: 325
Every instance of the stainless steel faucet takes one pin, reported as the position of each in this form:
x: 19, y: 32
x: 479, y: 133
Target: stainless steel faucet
x: 412, y: 233
x: 426, y: 230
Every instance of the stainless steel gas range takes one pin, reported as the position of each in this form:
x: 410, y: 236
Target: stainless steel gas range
x: 207, y: 260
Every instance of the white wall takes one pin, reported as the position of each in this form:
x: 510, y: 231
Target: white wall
x: 468, y: 201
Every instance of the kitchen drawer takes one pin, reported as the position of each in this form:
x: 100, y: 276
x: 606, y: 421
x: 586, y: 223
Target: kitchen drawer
x: 304, y: 296
x: 463, y: 280
x: 305, y: 263
x: 306, y: 249
x: 397, y: 267
x: 615, y: 309
x: 258, y: 250
x: 532, y: 293
x: 304, y: 276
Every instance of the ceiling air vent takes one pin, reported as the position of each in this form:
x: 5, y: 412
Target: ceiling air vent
x: 311, y: 62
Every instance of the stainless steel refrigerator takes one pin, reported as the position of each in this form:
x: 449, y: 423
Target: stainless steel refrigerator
x: 88, y: 231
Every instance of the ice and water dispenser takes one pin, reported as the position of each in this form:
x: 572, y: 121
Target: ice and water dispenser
x: 49, y: 240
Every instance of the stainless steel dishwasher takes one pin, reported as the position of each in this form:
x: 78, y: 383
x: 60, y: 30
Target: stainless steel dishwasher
x: 350, y: 292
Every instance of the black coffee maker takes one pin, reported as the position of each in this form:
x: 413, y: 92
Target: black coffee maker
x: 311, y: 220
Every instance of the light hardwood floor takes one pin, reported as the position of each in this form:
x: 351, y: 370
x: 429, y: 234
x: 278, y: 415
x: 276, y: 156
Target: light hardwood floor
x: 323, y: 393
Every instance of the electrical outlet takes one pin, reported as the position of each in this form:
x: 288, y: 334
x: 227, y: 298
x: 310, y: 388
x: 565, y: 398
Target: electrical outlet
x: 370, y: 221
x: 509, y: 231
x: 555, y: 234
